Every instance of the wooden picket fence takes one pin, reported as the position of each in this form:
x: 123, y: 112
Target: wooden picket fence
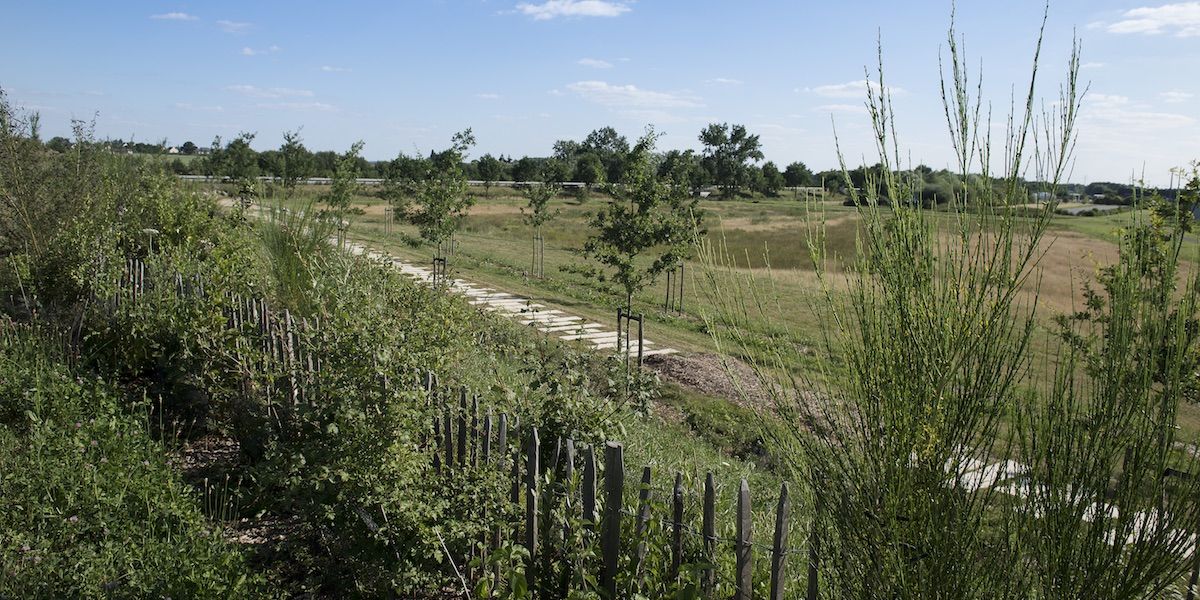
x: 463, y: 437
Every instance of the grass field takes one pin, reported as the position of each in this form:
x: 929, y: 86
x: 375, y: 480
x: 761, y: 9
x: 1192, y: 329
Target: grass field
x: 766, y: 238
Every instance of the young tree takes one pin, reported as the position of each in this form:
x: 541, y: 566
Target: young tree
x: 442, y: 196
x: 239, y: 163
x: 344, y: 185
x: 647, y: 228
x: 539, y: 214
x: 728, y: 151
x: 490, y: 171
x: 295, y: 161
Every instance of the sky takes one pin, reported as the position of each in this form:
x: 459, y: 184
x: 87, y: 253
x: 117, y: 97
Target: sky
x: 403, y: 76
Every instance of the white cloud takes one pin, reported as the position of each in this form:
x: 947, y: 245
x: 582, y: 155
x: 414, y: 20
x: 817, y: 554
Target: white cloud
x: 300, y: 106
x: 488, y: 96
x: 248, y: 51
x: 856, y: 109
x: 190, y: 106
x: 332, y: 69
x: 1174, y: 97
x: 234, y: 26
x: 595, y: 63
x: 174, y: 16
x: 629, y: 96
x: 1182, y: 19
x: 723, y: 81
x: 275, y: 92
x: 852, y: 89
x: 1108, y: 112
x: 551, y: 9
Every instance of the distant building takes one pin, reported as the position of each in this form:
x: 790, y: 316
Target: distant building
x: 1041, y: 196
x: 172, y: 150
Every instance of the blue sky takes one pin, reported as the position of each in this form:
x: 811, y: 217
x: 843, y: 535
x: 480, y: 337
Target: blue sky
x: 405, y: 75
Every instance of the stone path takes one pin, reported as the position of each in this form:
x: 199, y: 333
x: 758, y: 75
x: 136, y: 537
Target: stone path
x: 525, y: 311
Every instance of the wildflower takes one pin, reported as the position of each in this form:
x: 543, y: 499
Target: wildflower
x: 74, y: 519
x: 145, y: 463
x: 78, y: 424
x: 95, y: 443
x: 103, y: 459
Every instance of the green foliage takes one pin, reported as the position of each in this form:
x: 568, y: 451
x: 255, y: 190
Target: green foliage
x: 295, y: 161
x: 442, y: 196
x: 92, y: 507
x: 344, y: 185
x: 646, y: 229
x: 727, y: 152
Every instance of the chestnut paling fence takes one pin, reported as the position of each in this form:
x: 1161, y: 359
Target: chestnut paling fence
x: 572, y: 486
x: 580, y: 490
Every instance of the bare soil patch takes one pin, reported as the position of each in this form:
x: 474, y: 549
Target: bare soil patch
x: 706, y: 373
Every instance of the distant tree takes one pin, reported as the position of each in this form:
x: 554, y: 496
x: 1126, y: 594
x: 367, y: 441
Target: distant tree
x: 490, y: 170
x: 611, y: 148
x: 728, y: 150
x: 59, y: 144
x: 344, y: 185
x: 647, y: 228
x: 772, y: 179
x: 325, y: 163
x: 556, y: 171
x: 239, y: 163
x: 214, y: 163
x: 589, y: 170
x: 526, y: 169
x: 189, y: 148
x: 797, y: 175
x: 295, y: 161
x: 683, y: 168
x: 442, y: 195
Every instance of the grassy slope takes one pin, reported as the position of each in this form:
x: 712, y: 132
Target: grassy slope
x: 494, y: 249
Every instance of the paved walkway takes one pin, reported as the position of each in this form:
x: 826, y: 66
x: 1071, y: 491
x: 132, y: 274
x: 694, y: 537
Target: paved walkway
x: 552, y: 321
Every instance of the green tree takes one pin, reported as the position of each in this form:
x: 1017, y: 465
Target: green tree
x: 344, y: 185
x: 772, y: 180
x: 589, y: 170
x: 797, y: 175
x: 647, y: 228
x: 189, y: 148
x: 728, y: 152
x: 537, y: 215
x: 295, y: 161
x: 59, y: 144
x: 239, y: 163
x: 442, y: 195
x: 490, y: 170
x: 526, y: 169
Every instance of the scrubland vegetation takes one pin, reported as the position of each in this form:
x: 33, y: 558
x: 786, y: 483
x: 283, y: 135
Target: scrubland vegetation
x: 905, y: 344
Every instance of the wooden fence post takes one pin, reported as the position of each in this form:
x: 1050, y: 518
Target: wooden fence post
x: 745, y: 556
x: 709, y: 531
x: 487, y: 438
x: 779, y: 550
x: 462, y: 427
x: 589, y: 487
x: 610, y: 536
x: 568, y: 534
x: 676, y: 528
x: 437, y: 441
x: 474, y: 431
x: 642, y: 520
x: 446, y: 439
x: 532, y: 474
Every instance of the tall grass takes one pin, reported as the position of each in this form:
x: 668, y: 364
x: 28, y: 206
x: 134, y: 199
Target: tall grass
x: 295, y: 241
x: 929, y: 330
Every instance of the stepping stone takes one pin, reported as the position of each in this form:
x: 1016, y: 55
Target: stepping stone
x: 660, y: 351
x: 590, y: 336
x: 572, y: 327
